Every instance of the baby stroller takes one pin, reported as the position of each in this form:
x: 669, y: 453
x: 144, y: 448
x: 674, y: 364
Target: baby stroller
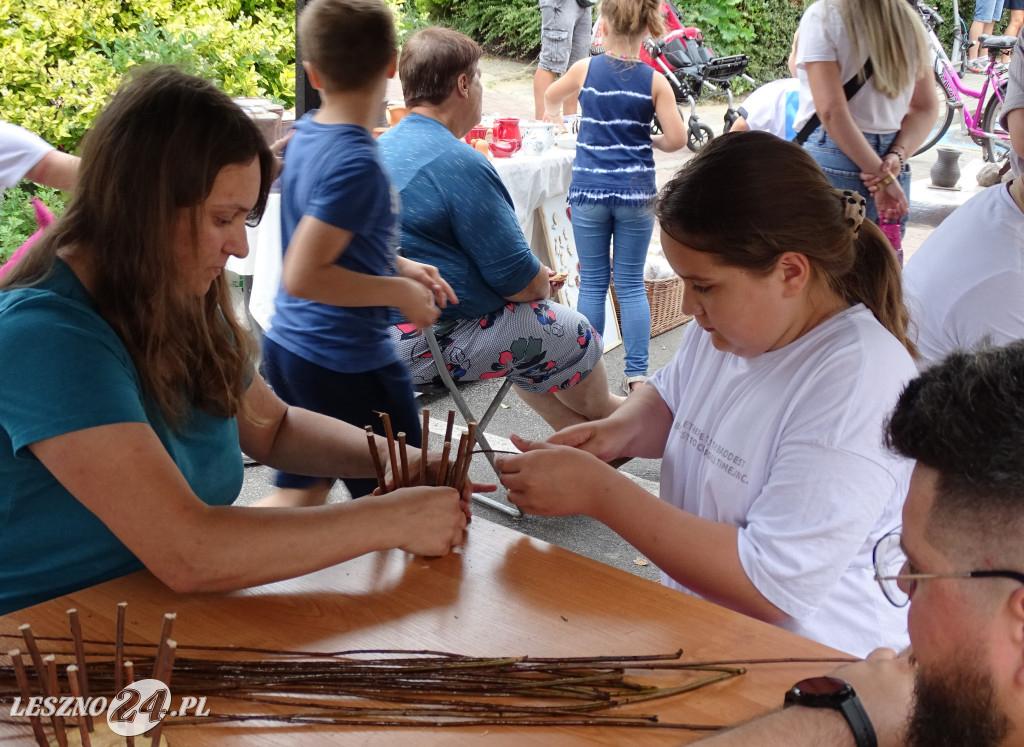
x: 690, y: 68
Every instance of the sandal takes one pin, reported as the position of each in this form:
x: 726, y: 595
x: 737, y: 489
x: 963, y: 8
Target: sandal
x: 629, y: 381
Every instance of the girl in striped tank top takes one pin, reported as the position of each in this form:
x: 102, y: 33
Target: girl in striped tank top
x: 613, y: 180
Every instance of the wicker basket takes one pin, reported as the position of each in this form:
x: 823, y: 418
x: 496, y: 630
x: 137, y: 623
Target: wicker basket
x: 666, y: 299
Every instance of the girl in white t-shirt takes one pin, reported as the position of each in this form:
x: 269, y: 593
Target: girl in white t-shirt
x: 775, y: 482
x: 862, y: 144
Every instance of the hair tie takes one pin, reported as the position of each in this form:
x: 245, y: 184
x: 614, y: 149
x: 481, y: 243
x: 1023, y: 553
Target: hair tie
x: 854, y: 208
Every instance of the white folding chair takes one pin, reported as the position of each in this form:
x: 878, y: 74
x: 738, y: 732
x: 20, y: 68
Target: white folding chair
x: 468, y: 416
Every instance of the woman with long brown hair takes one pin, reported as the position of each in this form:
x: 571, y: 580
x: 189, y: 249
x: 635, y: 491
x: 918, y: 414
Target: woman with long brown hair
x: 130, y: 387
x: 774, y: 481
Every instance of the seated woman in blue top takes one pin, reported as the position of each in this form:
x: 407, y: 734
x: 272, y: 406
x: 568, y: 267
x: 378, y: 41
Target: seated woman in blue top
x: 130, y: 388
x: 458, y: 216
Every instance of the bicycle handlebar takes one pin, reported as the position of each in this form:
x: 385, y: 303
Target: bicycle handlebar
x: 929, y: 14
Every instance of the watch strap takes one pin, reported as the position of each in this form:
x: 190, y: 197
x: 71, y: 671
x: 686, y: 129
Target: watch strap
x: 860, y: 724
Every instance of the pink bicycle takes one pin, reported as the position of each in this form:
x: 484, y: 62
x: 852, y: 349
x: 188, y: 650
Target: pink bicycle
x: 982, y: 125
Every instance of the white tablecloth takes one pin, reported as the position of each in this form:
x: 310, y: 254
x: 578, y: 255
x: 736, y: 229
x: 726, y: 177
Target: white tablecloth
x: 530, y: 179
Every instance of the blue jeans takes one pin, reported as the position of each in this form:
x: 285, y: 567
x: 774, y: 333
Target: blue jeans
x: 594, y: 227
x: 845, y: 174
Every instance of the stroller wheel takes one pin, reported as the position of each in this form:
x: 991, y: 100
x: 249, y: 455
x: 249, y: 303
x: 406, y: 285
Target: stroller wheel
x: 699, y: 136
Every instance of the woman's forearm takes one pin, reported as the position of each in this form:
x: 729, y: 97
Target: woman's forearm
x: 301, y: 441
x: 308, y: 443
x: 124, y: 475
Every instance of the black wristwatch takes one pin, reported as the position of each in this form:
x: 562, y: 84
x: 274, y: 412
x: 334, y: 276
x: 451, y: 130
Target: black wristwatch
x: 831, y: 692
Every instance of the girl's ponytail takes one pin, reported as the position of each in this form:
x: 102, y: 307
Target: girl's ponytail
x: 876, y: 281
x: 652, y: 18
x: 749, y: 197
x: 631, y: 18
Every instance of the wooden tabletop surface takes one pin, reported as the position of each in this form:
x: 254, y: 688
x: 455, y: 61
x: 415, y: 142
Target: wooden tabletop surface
x: 502, y: 594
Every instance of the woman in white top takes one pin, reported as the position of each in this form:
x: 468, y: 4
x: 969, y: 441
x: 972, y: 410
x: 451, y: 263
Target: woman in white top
x: 775, y: 482
x: 864, y: 143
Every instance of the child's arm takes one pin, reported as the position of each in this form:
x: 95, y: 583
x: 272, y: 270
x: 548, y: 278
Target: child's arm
x: 309, y: 272
x: 430, y: 278
x: 566, y: 86
x: 551, y: 480
x: 671, y: 121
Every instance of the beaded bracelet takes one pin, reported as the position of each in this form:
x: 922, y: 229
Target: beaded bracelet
x: 894, y: 152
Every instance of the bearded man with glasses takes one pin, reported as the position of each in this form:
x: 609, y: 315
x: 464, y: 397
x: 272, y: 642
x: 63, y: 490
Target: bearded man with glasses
x: 958, y: 561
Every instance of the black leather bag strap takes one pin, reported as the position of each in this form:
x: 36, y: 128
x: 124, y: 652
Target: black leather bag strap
x: 849, y: 89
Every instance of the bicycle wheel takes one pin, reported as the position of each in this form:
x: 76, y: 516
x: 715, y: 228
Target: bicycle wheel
x: 946, y: 112
x: 998, y: 148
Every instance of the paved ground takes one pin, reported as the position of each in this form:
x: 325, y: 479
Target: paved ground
x: 508, y: 91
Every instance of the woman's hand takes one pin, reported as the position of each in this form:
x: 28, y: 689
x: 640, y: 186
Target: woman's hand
x: 429, y: 277
x: 891, y: 201
x: 556, y: 280
x: 552, y: 480
x: 891, y: 166
x: 431, y: 520
x: 434, y: 468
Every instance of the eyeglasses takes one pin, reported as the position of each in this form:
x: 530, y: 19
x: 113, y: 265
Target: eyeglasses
x: 889, y: 559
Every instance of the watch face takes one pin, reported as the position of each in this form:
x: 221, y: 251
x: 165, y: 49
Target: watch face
x: 821, y: 686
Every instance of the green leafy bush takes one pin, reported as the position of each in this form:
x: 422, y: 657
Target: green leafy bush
x: 773, y: 24
x: 948, y: 27
x: 18, y: 217
x: 61, y: 59
x: 722, y: 22
x: 762, y: 29
x: 510, y: 27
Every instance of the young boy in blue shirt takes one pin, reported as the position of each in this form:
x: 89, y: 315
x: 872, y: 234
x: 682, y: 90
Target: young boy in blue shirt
x: 329, y: 348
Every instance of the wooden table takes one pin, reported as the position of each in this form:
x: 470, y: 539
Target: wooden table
x: 503, y: 594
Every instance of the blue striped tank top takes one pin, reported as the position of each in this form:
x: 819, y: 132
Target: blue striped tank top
x: 614, y: 161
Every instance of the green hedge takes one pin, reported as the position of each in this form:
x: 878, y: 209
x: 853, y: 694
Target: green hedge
x: 762, y: 29
x: 61, y: 59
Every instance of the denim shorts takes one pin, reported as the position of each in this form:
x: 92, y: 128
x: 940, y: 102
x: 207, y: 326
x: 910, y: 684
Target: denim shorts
x: 987, y: 11
x: 565, y: 30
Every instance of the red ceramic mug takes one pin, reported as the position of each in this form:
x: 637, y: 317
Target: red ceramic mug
x: 507, y: 128
x: 477, y: 133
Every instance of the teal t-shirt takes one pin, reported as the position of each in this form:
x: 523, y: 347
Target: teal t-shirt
x: 63, y: 369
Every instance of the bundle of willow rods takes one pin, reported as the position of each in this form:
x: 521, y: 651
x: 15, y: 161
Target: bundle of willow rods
x: 391, y: 688
x: 451, y: 475
x: 379, y: 687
